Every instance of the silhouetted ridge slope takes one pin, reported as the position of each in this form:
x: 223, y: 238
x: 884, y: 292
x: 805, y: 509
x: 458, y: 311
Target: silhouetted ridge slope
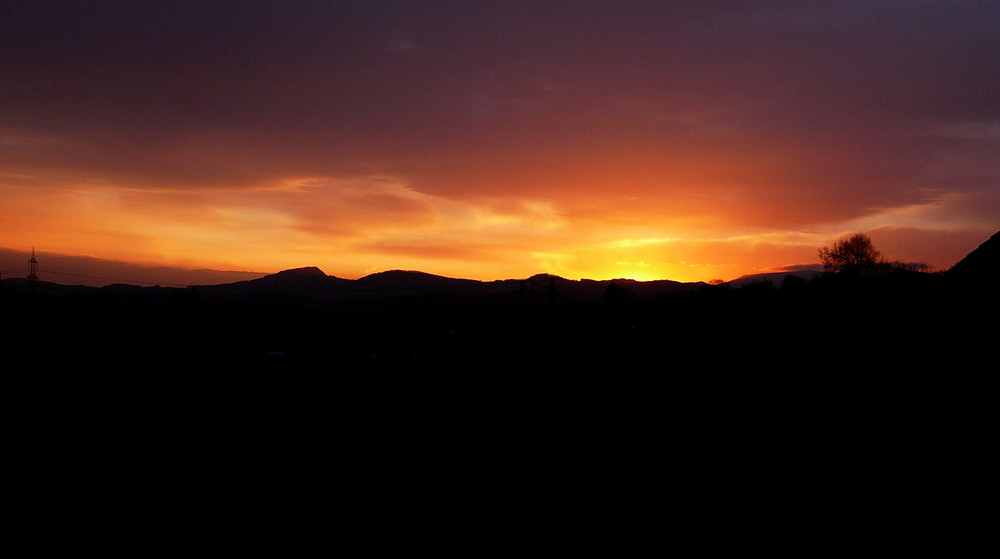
x: 982, y: 265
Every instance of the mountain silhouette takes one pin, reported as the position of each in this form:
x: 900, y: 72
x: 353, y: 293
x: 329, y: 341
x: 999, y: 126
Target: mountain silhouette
x: 981, y: 265
x: 306, y: 278
x: 396, y: 319
x: 395, y: 284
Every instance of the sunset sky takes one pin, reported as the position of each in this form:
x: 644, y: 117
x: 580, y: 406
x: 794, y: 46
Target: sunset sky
x: 488, y: 140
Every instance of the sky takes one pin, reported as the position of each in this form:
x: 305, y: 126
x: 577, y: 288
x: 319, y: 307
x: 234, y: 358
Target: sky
x: 689, y: 141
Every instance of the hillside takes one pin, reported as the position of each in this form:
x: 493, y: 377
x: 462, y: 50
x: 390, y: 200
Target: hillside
x: 982, y: 265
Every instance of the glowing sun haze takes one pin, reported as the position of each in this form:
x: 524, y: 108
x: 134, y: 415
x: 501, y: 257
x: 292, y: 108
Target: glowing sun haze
x: 489, y: 140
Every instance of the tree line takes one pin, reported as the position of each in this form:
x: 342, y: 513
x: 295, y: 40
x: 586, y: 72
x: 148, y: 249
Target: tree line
x: 856, y: 254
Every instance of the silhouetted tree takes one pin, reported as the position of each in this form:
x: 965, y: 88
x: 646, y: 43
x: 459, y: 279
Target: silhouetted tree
x: 853, y: 254
x: 909, y: 266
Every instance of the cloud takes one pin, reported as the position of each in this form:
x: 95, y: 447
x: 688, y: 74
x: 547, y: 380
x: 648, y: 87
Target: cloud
x: 975, y: 130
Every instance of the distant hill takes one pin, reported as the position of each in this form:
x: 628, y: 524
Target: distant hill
x: 308, y: 278
x: 413, y: 282
x: 775, y: 278
x: 398, y: 320
x: 313, y: 282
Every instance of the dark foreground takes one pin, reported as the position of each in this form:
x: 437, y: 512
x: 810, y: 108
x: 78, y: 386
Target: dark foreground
x: 891, y: 333
x: 783, y: 419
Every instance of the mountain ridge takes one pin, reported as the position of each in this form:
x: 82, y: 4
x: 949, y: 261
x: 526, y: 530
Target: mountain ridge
x: 982, y: 263
x: 312, y: 282
x: 396, y: 319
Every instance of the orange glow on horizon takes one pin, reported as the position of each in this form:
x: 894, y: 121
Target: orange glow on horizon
x: 317, y: 222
